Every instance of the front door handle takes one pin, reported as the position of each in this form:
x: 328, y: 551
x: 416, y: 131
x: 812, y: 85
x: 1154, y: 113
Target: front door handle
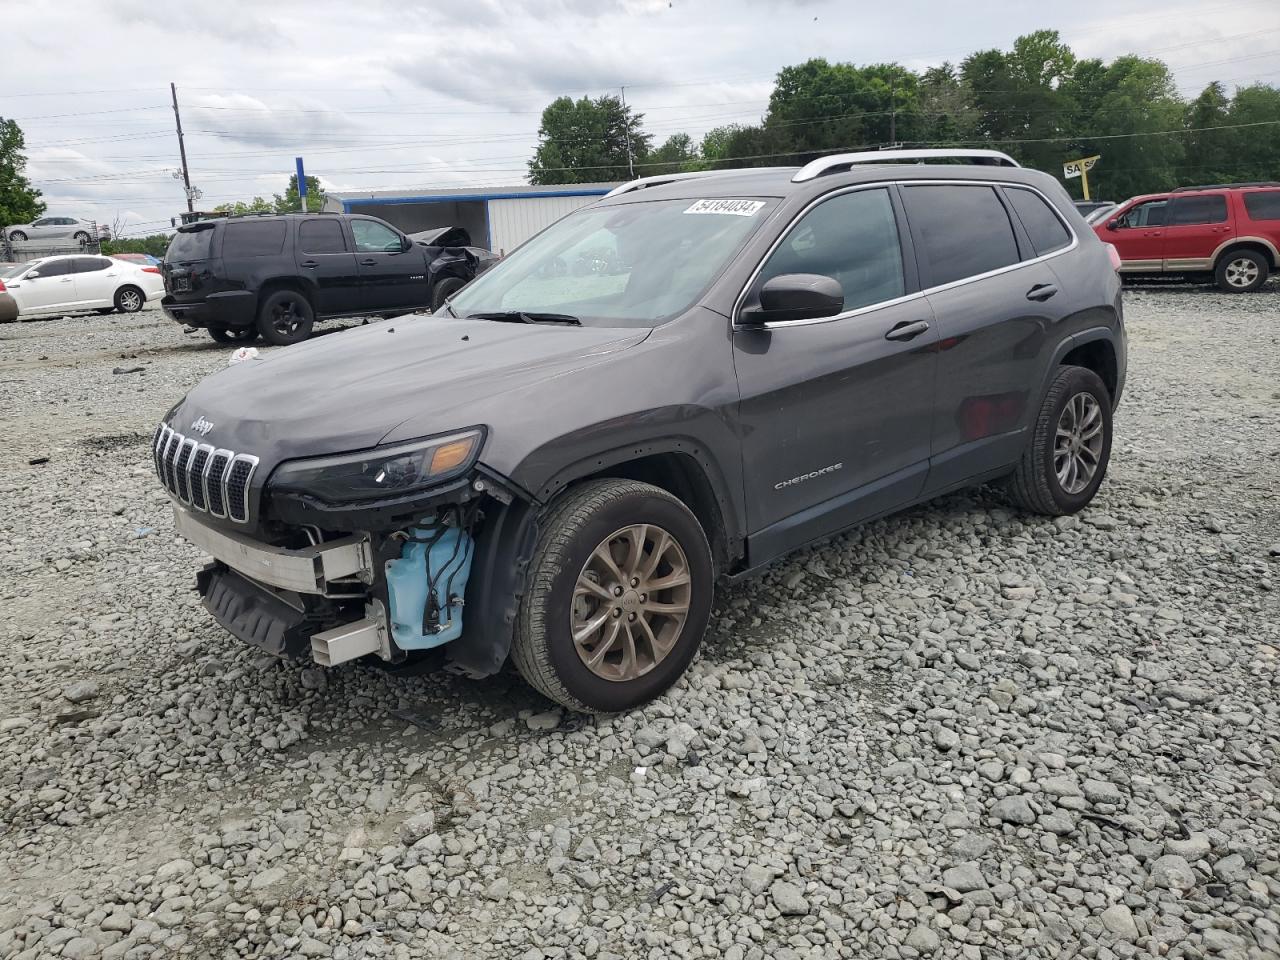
x: 308, y: 263
x: 1041, y: 292
x: 368, y: 262
x: 907, y: 330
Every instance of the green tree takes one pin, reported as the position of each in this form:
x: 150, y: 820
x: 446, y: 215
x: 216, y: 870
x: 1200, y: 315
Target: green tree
x: 585, y: 141
x: 677, y: 154
x: 738, y: 145
x: 19, y: 201
x: 946, y: 109
x: 289, y: 202
x: 1255, y: 149
x: 256, y: 205
x: 155, y: 244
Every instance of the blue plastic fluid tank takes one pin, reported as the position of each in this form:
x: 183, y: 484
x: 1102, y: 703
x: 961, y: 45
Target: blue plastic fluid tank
x: 407, y: 587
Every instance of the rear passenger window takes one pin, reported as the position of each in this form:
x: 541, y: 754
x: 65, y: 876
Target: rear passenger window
x: 852, y: 238
x: 962, y: 231
x: 92, y: 264
x: 1046, y: 230
x: 1263, y: 206
x: 1189, y: 210
x: 321, y: 236
x: 249, y: 238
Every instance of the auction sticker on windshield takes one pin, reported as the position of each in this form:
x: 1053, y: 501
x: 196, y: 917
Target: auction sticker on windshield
x: 736, y: 208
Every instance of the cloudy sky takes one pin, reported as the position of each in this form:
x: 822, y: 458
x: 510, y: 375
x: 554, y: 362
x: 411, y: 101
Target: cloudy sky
x: 392, y: 93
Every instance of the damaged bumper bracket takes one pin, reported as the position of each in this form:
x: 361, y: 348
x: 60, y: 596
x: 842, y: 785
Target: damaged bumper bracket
x: 307, y: 570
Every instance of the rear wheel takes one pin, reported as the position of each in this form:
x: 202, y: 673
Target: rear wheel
x: 130, y: 299
x: 234, y: 334
x: 80, y: 237
x: 1070, y: 447
x: 17, y: 235
x: 285, y: 318
x: 1241, y: 271
x: 445, y: 289
x: 618, y: 597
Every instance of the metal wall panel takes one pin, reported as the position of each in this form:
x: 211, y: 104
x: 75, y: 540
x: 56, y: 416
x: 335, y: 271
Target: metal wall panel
x: 512, y: 222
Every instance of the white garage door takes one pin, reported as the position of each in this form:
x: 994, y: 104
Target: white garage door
x: 512, y: 222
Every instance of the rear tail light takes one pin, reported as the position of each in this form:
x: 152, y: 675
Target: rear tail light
x: 1114, y: 254
x: 157, y: 269
x: 1, y: 286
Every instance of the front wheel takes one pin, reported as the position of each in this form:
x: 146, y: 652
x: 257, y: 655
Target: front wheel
x: 285, y: 318
x: 17, y: 236
x: 233, y: 334
x: 445, y: 289
x: 1070, y: 446
x: 130, y: 300
x: 81, y: 238
x: 1241, y: 271
x: 618, y: 597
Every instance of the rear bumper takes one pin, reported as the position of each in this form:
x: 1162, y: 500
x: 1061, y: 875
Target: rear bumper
x: 235, y: 308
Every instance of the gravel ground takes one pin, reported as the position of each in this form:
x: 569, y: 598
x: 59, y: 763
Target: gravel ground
x: 957, y: 732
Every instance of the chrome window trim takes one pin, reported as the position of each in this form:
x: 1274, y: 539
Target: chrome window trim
x: 882, y: 184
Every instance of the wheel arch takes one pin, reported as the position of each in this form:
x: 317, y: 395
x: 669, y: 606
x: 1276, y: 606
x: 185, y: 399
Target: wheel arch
x: 1256, y: 244
x: 1097, y: 353
x: 297, y: 284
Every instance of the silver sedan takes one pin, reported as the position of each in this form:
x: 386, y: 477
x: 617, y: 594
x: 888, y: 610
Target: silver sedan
x: 75, y: 229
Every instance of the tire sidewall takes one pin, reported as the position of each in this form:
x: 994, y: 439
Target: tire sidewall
x: 268, y: 331
x: 445, y: 289
x: 612, y: 696
x: 1079, y: 381
x: 1258, y: 259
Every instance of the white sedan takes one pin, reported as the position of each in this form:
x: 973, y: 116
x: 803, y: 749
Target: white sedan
x: 56, y: 285
x: 75, y: 229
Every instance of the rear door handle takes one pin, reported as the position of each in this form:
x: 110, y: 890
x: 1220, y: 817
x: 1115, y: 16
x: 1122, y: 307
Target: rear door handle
x: 1041, y: 292
x: 307, y: 263
x: 369, y: 262
x: 907, y: 330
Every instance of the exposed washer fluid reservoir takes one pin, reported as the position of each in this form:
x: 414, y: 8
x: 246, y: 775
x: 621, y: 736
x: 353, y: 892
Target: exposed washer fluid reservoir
x: 437, y: 561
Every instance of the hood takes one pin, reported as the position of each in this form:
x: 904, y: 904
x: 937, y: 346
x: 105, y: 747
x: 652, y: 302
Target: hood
x: 350, y: 390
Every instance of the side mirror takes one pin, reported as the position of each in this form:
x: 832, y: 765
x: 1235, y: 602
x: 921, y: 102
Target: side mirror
x: 32, y: 275
x: 795, y: 296
x: 405, y: 244
x: 1113, y: 224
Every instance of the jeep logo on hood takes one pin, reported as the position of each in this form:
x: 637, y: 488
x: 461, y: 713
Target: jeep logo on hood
x: 201, y: 426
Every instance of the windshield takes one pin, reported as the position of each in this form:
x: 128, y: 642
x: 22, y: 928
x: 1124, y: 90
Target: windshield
x: 8, y: 270
x: 633, y: 264
x: 191, y: 244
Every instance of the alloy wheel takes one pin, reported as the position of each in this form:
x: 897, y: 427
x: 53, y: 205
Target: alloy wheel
x: 130, y: 301
x: 1241, y: 272
x: 1077, y: 448
x: 286, y: 319
x: 630, y: 602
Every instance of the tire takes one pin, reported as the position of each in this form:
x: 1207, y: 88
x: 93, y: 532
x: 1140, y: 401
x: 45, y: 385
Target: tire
x: 445, y: 289
x: 285, y: 317
x: 1241, y: 271
x: 130, y: 300
x: 17, y: 236
x: 586, y: 519
x: 234, y: 334
x: 1036, y: 484
x: 80, y: 237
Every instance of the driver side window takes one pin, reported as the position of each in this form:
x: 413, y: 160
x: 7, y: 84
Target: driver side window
x: 373, y: 237
x: 852, y: 238
x: 1149, y: 214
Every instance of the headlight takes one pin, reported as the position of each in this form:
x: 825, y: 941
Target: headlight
x: 383, y: 471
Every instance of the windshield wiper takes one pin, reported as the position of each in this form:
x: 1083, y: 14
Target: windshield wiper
x: 524, y: 316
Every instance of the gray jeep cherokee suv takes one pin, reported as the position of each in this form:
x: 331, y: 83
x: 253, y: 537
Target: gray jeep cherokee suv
x: 559, y: 464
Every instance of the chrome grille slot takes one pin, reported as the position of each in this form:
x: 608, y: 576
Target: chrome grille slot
x: 209, y: 480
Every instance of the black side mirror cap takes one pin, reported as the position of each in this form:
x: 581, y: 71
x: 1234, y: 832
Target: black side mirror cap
x: 1113, y: 224
x: 795, y: 296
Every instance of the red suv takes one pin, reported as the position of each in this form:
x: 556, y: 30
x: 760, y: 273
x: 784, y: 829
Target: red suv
x: 1229, y: 230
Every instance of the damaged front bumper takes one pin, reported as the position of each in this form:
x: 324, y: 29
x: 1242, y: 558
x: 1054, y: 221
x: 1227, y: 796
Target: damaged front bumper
x: 260, y: 592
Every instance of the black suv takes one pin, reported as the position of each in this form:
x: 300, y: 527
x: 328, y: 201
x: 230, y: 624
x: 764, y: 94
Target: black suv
x: 558, y: 466
x: 274, y: 276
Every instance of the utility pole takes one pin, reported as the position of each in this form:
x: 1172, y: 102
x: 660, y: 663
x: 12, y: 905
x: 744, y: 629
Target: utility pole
x: 182, y: 149
x: 626, y: 116
x: 893, y: 110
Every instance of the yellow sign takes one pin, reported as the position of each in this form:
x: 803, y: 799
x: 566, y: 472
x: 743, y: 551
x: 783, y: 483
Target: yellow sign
x: 1080, y: 168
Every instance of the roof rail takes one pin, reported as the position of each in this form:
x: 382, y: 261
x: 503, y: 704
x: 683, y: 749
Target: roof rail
x: 1228, y: 186
x: 839, y: 161
x: 661, y: 178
